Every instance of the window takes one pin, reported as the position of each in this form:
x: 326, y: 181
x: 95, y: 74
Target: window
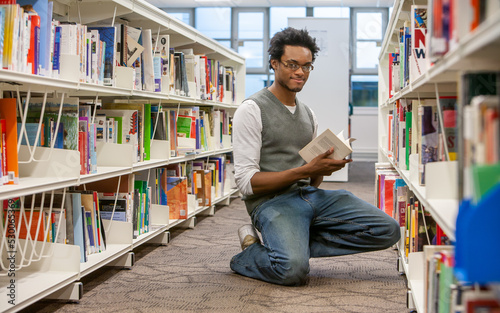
x: 184, y: 15
x: 279, y: 17
x: 368, y: 27
x: 214, y: 22
x: 250, y: 29
x: 364, y: 89
x: 367, y: 32
x: 255, y: 82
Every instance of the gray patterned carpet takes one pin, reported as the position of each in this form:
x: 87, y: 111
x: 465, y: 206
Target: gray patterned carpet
x: 192, y: 274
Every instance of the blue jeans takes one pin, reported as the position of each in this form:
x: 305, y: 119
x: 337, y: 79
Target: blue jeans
x: 309, y: 223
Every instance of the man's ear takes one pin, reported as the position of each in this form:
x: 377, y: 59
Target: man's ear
x: 274, y: 64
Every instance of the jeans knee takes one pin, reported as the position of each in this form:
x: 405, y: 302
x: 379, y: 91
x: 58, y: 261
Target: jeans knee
x: 394, y: 232
x: 295, y: 273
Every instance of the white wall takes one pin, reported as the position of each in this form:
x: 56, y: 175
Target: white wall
x: 364, y: 127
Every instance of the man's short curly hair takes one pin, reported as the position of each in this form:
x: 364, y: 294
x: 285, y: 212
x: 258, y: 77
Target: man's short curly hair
x: 291, y: 37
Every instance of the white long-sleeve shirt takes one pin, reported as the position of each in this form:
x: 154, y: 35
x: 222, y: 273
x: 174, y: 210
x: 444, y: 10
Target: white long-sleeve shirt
x: 247, y: 142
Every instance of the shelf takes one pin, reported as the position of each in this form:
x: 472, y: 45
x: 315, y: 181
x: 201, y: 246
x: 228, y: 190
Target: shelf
x: 56, y: 268
x: 11, y: 80
x: 477, y: 51
x: 60, y: 265
x: 28, y: 186
x: 97, y: 260
x: 34, y: 286
x: 148, y: 16
x: 31, y: 185
x: 143, y: 238
x: 444, y: 211
x: 414, y: 273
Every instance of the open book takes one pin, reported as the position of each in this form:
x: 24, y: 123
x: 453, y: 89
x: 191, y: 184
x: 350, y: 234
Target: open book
x: 327, y: 139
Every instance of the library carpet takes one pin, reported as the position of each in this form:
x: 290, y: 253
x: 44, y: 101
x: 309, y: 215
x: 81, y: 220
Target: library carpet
x: 192, y: 274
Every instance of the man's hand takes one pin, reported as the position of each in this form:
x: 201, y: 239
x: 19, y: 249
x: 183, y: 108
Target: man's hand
x: 324, y: 166
x: 265, y: 182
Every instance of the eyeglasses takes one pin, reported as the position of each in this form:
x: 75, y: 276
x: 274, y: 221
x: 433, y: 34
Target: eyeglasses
x: 294, y: 67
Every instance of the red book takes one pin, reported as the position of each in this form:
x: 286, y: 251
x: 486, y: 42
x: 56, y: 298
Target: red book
x: 82, y: 148
x: 8, y: 112
x: 34, y: 50
x: 4, y: 179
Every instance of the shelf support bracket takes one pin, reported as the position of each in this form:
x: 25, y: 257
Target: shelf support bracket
x: 126, y: 261
x: 162, y: 239
x: 73, y: 292
x: 189, y: 223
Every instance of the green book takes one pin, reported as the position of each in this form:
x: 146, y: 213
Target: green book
x: 408, y: 143
x: 484, y: 178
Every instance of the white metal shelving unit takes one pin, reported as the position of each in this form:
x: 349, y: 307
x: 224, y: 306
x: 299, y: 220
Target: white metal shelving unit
x: 476, y: 51
x: 59, y: 265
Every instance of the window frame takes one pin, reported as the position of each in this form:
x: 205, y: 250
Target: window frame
x: 355, y: 70
x: 235, y: 40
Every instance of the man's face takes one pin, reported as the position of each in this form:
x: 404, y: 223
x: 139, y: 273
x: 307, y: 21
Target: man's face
x: 288, y: 78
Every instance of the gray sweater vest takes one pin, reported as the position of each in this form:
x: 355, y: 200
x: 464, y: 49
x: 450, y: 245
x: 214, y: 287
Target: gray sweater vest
x: 283, y: 134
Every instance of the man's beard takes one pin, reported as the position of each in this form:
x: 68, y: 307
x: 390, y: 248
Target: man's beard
x: 298, y: 89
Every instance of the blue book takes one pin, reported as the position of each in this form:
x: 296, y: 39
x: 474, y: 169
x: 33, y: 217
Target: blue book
x: 108, y: 35
x: 31, y: 131
x: 90, y: 230
x: 162, y: 186
x: 78, y: 224
x: 44, y: 9
x: 92, y: 148
x: 56, y: 63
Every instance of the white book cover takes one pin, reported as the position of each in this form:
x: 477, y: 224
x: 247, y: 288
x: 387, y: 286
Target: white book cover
x: 418, y: 29
x: 217, y: 133
x: 323, y: 142
x: 68, y: 39
x: 163, y: 47
x: 190, y: 61
x: 101, y: 128
x: 197, y: 77
x: 95, y: 39
x: 147, y: 60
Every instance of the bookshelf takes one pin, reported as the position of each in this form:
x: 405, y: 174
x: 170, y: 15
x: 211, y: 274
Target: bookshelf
x: 474, y: 51
x: 52, y: 270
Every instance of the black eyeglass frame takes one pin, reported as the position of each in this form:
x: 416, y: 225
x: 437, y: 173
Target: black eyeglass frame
x: 294, y: 67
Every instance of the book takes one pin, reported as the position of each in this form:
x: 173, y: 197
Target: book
x: 129, y: 128
x: 108, y: 35
x: 8, y: 112
x: 428, y: 137
x: 323, y: 142
x: 418, y: 28
x: 110, y: 211
x: 177, y: 197
x: 68, y: 119
x: 74, y: 205
x: 162, y: 186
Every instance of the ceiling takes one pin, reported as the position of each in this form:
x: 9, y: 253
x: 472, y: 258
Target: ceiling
x: 270, y: 3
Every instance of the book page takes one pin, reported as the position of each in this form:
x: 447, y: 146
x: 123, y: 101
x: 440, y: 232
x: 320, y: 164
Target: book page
x: 326, y: 140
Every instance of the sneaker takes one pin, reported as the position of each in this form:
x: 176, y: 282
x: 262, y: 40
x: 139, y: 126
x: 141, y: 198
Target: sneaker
x: 248, y: 236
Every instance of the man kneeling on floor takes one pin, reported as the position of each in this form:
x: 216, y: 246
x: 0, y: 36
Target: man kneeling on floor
x: 297, y: 220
